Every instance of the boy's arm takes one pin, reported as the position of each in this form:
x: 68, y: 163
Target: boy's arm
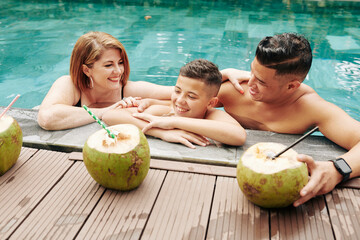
x: 218, y: 126
x: 118, y: 116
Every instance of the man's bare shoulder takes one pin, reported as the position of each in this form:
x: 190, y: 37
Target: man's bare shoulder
x: 307, y: 95
x: 312, y: 103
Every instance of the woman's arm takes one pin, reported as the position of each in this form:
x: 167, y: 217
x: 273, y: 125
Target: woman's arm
x: 57, y: 111
x: 147, y: 90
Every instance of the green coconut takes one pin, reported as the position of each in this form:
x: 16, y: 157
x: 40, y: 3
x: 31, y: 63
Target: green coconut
x: 121, y: 163
x: 267, y: 182
x: 10, y: 143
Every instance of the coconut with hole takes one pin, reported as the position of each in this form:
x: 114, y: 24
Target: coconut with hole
x: 10, y: 142
x: 120, y: 163
x: 267, y: 182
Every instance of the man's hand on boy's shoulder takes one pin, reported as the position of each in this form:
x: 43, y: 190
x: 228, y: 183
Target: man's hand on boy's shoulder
x: 235, y: 76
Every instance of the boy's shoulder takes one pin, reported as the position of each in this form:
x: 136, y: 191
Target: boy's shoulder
x: 214, y: 113
x: 219, y: 115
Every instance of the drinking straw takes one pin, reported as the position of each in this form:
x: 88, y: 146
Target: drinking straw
x: 296, y: 142
x: 7, y: 108
x: 99, y: 121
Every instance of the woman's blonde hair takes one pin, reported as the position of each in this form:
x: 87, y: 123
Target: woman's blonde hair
x: 87, y: 50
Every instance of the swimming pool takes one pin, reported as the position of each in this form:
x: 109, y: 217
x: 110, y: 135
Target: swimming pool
x: 37, y: 37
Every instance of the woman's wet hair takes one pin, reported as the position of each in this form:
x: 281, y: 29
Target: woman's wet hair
x: 87, y: 50
x: 287, y: 53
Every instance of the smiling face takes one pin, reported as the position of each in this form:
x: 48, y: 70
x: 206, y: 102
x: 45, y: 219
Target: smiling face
x: 264, y: 84
x: 107, y: 71
x: 191, y: 98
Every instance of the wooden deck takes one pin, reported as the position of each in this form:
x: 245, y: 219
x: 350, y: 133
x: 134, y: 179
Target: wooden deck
x: 50, y: 195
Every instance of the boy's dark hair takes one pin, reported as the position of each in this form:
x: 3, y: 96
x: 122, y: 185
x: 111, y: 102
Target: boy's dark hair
x: 287, y: 53
x: 204, y: 71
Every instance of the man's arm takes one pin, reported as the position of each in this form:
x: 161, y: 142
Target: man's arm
x: 218, y: 126
x: 236, y: 77
x: 343, y: 130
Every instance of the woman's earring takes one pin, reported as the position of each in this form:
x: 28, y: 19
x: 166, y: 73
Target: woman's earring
x: 91, y: 82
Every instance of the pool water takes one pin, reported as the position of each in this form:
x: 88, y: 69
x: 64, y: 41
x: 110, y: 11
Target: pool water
x: 37, y: 37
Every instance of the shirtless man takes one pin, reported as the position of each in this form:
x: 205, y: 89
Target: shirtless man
x: 275, y: 99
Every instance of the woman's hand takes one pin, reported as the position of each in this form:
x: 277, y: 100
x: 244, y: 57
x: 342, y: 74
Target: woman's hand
x: 236, y: 77
x: 144, y: 104
x: 124, y: 103
x: 127, y: 102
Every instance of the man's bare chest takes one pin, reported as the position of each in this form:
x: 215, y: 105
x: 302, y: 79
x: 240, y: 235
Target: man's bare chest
x: 276, y: 120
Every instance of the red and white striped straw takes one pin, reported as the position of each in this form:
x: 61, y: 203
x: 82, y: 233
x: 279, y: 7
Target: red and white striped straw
x: 7, y: 108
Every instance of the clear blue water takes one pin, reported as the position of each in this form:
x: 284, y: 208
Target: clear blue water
x: 37, y: 37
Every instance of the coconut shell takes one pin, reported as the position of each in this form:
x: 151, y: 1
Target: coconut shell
x: 10, y: 145
x: 123, y: 171
x: 271, y: 190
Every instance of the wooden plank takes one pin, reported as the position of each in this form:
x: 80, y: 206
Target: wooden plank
x: 64, y: 210
x: 201, y: 202
x: 308, y: 221
x: 206, y: 169
x: 353, y: 202
x: 179, y: 166
x: 28, y: 186
x: 167, y: 206
x: 182, y: 208
x: 25, y: 154
x: 76, y: 156
x: 351, y: 183
x: 193, y: 168
x: 344, y: 211
x: 351, y: 219
x: 123, y: 215
x: 233, y: 216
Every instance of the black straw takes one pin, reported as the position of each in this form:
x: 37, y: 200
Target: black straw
x: 296, y: 142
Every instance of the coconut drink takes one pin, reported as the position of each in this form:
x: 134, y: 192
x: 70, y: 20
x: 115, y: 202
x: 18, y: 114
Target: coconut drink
x: 267, y: 182
x: 120, y: 163
x: 11, y: 138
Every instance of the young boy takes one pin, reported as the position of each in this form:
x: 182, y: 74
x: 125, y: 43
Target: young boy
x: 191, y: 117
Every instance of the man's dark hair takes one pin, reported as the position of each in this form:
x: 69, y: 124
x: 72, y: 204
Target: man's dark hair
x: 287, y: 53
x: 204, y: 71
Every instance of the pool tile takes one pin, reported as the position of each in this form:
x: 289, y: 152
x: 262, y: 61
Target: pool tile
x: 340, y: 43
x: 258, y: 31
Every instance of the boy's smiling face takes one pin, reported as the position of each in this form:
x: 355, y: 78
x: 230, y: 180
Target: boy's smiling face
x: 191, y: 98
